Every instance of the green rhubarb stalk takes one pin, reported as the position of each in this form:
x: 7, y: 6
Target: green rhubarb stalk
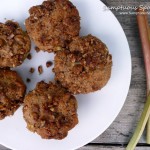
x: 148, y: 122
x: 141, y: 126
x: 148, y: 131
x: 142, y: 21
x: 144, y: 31
x: 148, y: 86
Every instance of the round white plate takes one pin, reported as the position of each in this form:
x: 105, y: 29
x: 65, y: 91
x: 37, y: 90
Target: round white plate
x: 96, y: 110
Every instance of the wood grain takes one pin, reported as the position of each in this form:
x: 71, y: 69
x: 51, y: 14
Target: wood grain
x: 110, y: 148
x: 3, y: 148
x: 123, y: 127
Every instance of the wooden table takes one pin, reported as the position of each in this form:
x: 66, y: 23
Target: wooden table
x: 118, y: 134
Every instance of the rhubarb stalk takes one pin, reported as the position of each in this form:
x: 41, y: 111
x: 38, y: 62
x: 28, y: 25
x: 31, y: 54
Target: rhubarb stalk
x: 142, y: 20
x: 141, y: 126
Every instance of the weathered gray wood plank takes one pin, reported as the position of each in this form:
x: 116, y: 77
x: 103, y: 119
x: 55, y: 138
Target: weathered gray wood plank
x: 3, y: 148
x: 110, y: 148
x: 98, y: 147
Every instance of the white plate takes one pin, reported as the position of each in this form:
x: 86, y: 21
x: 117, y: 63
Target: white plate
x: 97, y: 110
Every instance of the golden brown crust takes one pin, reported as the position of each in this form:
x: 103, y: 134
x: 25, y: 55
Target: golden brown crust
x: 53, y: 24
x: 50, y: 111
x: 14, y: 44
x: 85, y: 67
x: 12, y: 91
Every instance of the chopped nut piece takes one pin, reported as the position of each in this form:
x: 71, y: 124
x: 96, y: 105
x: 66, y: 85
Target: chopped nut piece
x: 28, y: 80
x: 58, y: 48
x: 49, y: 64
x: 1, y: 42
x: 11, y: 36
x: 29, y: 56
x: 77, y: 63
x: 40, y: 69
x: 37, y: 49
x: 52, y: 109
x: 43, y: 123
x: 19, y: 39
x: 32, y: 70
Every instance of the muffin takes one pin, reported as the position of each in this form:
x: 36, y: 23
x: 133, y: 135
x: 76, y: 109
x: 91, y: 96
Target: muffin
x: 50, y: 111
x: 84, y: 67
x: 53, y: 24
x: 15, y: 44
x: 12, y: 91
